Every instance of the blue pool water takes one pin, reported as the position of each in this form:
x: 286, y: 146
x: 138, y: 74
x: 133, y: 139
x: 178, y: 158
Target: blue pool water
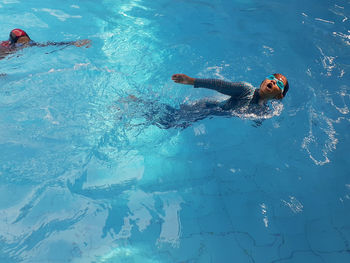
x: 85, y: 178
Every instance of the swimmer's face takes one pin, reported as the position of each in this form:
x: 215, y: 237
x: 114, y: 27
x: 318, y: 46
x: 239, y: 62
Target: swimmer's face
x: 270, y: 90
x: 23, y: 40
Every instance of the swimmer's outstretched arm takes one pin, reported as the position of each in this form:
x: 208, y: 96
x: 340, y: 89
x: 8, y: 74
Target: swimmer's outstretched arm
x: 78, y: 43
x: 183, y: 79
x: 224, y: 87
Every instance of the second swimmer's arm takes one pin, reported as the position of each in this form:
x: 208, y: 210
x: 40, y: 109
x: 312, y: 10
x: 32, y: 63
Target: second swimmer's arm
x: 78, y: 43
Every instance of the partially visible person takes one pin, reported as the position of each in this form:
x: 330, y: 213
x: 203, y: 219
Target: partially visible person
x: 19, y: 39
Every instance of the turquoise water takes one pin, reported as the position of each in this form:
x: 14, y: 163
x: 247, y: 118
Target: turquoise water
x: 85, y: 178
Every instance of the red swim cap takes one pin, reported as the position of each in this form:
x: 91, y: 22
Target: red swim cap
x: 15, y: 34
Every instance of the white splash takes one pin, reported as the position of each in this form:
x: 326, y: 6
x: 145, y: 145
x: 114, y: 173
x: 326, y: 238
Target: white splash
x: 276, y: 110
x: 342, y: 7
x: 264, y: 213
x: 339, y: 12
x: 327, y: 62
x: 268, y: 50
x: 344, y: 37
x: 214, y: 70
x: 342, y: 94
x: 312, y: 141
x: 323, y: 20
x: 217, y: 71
x: 294, y: 204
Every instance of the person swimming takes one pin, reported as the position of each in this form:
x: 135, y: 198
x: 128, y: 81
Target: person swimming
x: 242, y: 94
x: 245, y: 101
x: 19, y: 39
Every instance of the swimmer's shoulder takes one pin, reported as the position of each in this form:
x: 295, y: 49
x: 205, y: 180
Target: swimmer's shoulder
x: 248, y: 86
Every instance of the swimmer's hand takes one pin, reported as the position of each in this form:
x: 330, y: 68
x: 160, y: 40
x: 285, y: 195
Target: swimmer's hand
x: 83, y: 42
x: 183, y: 79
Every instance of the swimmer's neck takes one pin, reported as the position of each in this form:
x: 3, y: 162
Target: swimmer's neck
x: 263, y: 98
x: 259, y: 98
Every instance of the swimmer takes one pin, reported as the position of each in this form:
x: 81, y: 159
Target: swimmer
x: 245, y: 100
x: 19, y: 39
x: 242, y: 94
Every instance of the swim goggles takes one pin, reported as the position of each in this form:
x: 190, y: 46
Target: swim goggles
x: 279, y: 82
